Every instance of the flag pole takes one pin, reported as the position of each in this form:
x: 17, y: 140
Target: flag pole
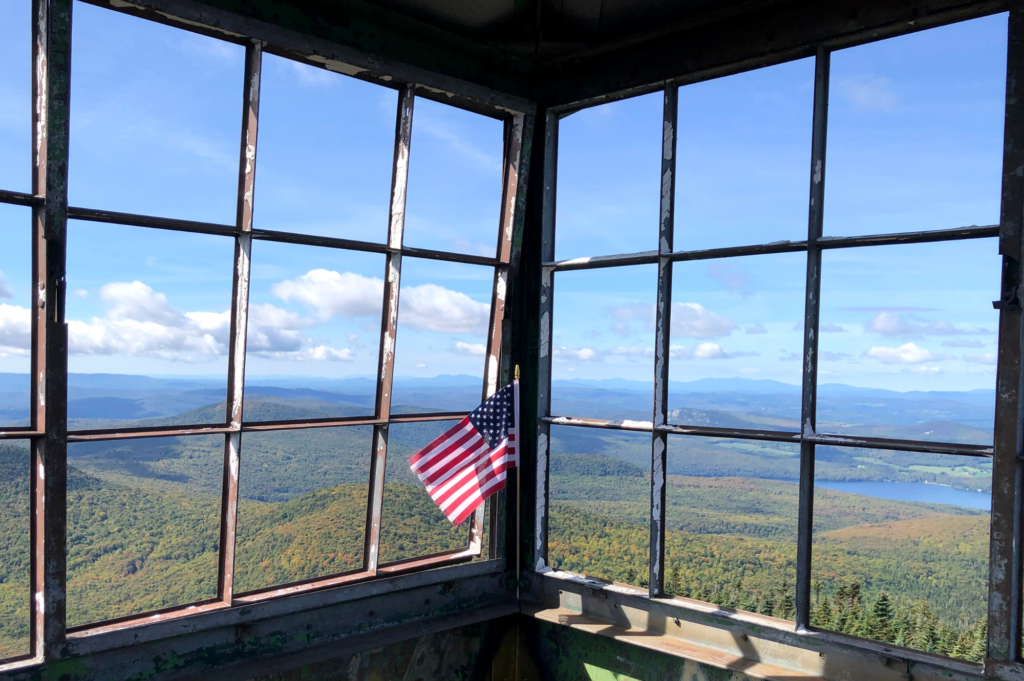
x: 519, y: 489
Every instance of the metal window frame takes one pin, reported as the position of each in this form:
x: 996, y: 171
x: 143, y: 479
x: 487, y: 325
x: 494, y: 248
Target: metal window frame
x: 1006, y: 572
x: 48, y: 432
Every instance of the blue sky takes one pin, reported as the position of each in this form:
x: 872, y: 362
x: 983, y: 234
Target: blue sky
x: 915, y: 138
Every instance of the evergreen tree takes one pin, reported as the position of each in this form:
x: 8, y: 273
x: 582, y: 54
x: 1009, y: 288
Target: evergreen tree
x: 980, y: 643
x: 882, y: 614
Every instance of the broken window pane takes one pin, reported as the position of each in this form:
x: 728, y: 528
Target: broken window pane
x: 915, y: 131
x: 730, y: 517
x: 302, y: 505
x: 143, y: 525
x: 901, y: 548
x: 314, y: 330
x: 444, y: 310
x: 326, y: 146
x: 156, y: 118
x: 609, y: 178
x: 602, y: 352
x: 15, y: 547
x: 736, y: 342
x: 16, y: 95
x: 600, y: 503
x: 411, y: 524
x: 907, y: 341
x: 15, y: 315
x: 455, y: 172
x: 742, y: 158
x: 148, y: 322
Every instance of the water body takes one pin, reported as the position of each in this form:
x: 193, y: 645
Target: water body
x: 912, y: 491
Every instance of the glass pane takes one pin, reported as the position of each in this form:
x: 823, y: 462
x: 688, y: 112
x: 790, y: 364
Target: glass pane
x: 302, y: 507
x: 454, y: 196
x: 148, y: 322
x: 411, y: 524
x: 915, y: 131
x: 737, y: 339
x: 155, y: 118
x: 600, y: 499
x: 15, y: 547
x: 908, y: 341
x: 314, y: 330
x: 16, y: 95
x: 143, y: 525
x: 609, y: 178
x: 15, y: 318
x: 326, y: 147
x: 901, y: 548
x: 603, y: 343
x: 743, y: 158
x: 731, y: 505
x: 443, y: 314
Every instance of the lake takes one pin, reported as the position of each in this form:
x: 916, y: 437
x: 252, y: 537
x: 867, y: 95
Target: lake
x: 912, y: 491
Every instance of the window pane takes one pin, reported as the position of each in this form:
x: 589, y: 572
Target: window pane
x: 901, y: 548
x: 326, y: 146
x: 143, y: 525
x: 15, y: 318
x: 15, y: 547
x: 743, y: 158
x: 411, y: 524
x: 908, y: 341
x: 915, y: 131
x: 600, y: 499
x: 730, y: 519
x: 148, y: 323
x: 16, y: 95
x: 609, y: 178
x: 603, y: 343
x: 302, y: 508
x: 155, y: 118
x: 444, y: 310
x: 314, y: 329
x: 737, y: 340
x: 454, y: 196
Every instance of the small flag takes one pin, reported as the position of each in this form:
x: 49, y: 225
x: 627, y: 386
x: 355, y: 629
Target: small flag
x: 468, y: 463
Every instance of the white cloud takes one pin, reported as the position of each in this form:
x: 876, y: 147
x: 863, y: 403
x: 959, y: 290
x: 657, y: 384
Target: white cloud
x: 430, y: 307
x: 928, y: 371
x: 873, y: 93
x: 633, y: 351
x: 909, y: 326
x: 334, y: 293
x: 832, y: 328
x: 789, y: 356
x: 984, y: 358
x: 749, y: 370
x: 81, y: 293
x: 442, y: 131
x: 195, y: 44
x: 564, y: 354
x: 470, y: 349
x: 905, y: 354
x: 732, y: 276
x: 830, y: 356
x: 421, y: 366
x: 6, y: 292
x: 700, y: 351
x: 312, y: 76
x: 693, y: 320
x: 963, y: 343
x: 756, y: 329
x: 15, y: 331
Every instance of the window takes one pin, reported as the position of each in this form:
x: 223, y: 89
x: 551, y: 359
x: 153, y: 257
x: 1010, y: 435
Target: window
x: 820, y: 444
x: 233, y: 345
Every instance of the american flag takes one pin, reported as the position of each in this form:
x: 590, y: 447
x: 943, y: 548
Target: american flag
x: 468, y: 463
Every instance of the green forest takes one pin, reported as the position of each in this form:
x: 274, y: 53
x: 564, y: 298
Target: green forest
x: 143, y: 524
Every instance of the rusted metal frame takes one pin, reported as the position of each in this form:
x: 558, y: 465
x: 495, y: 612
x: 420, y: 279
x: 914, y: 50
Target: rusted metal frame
x: 163, y: 614
x: 600, y: 261
x: 318, y: 241
x: 547, y: 303
x: 429, y: 416
x: 133, y: 220
x: 956, y: 234
x: 921, y: 446
x: 499, y: 289
x: 636, y: 426
x: 303, y: 586
x: 51, y: 89
x: 1004, y: 597
x: 22, y: 434
x: 662, y: 341
x: 299, y: 424
x: 239, y: 320
x: 100, y: 435
x: 20, y: 198
x: 389, y: 325
x: 447, y: 256
x: 812, y: 308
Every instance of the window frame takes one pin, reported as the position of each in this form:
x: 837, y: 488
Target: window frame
x: 1005, y: 563
x: 48, y: 431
